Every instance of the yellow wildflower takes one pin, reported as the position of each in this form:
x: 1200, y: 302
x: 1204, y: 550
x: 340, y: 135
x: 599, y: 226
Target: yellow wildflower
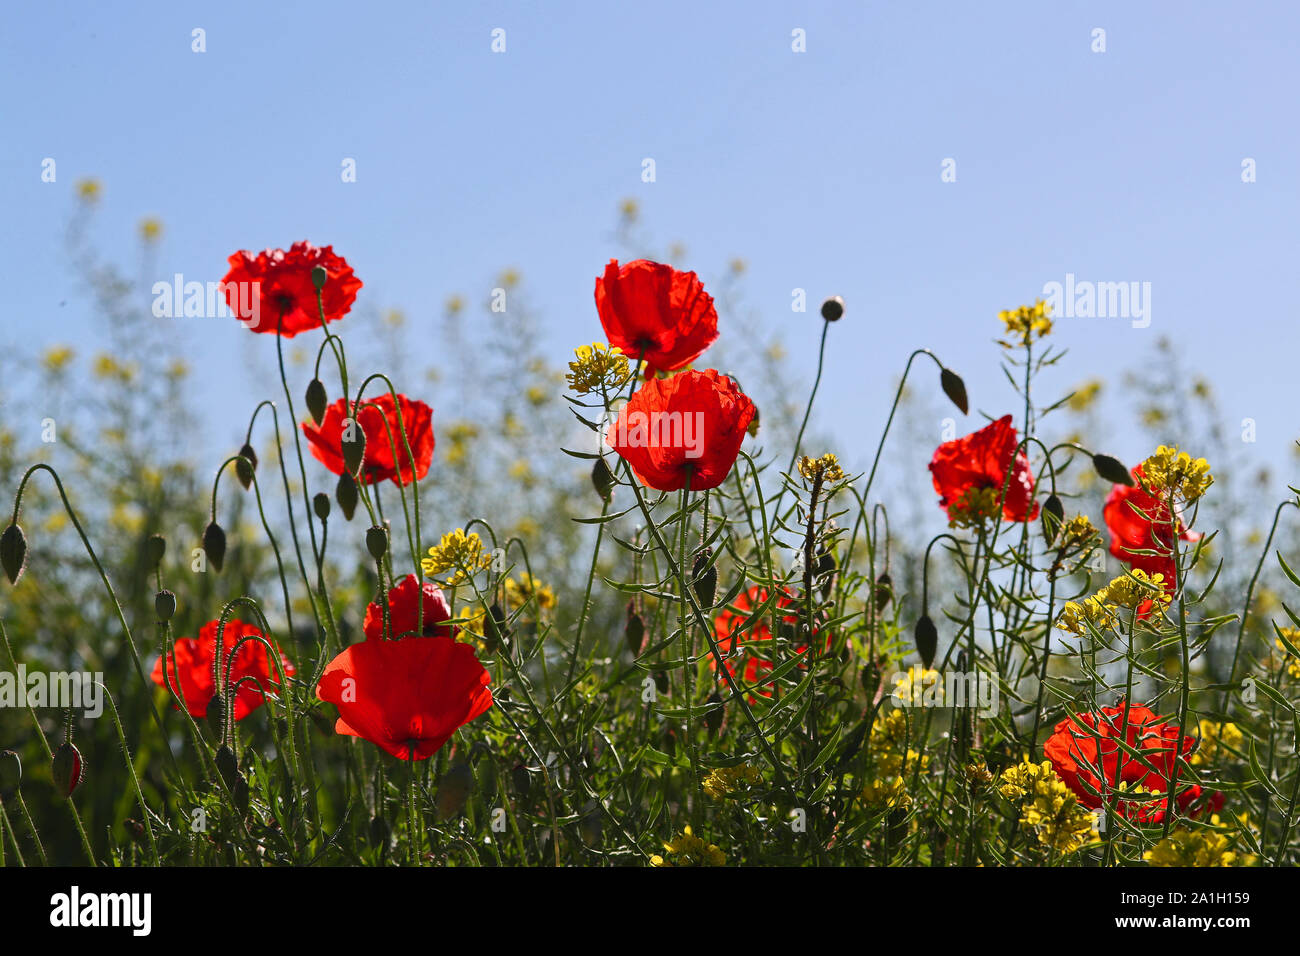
x: 1215, y: 737
x: 726, y: 781
x: 975, y: 505
x: 1171, y: 472
x: 151, y: 229
x: 598, y: 366
x: 690, y: 850
x: 57, y: 357
x: 1083, y: 396
x: 826, y: 468
x: 88, y: 190
x: 459, y: 552
x: 1048, y: 807
x: 1029, y: 322
x: 1211, y: 846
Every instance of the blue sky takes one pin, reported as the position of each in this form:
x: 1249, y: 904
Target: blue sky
x: 821, y: 169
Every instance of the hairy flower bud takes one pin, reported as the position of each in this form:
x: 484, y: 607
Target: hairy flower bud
x: 155, y: 548
x: 13, y: 552
x: 244, y: 468
x: 320, y: 503
x: 927, y: 640
x: 833, y: 309
x: 11, y: 773
x: 316, y: 400
x: 377, y: 542
x: 602, y: 479
x: 345, y: 493
x: 164, y: 603
x: 67, y: 769
x: 214, y: 544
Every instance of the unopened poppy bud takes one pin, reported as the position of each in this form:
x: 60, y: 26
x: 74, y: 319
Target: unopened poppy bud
x: 377, y: 542
x: 353, y: 445
x: 11, y: 773
x: 13, y: 552
x: 244, y: 468
x: 1112, y: 470
x: 602, y: 479
x: 661, y: 682
x: 228, y: 766
x: 214, y: 544
x: 67, y: 770
x: 713, y: 719
x: 927, y: 640
x: 345, y: 493
x: 453, y: 791
x: 242, y: 793
x: 316, y: 400
x: 704, y: 579
x: 320, y: 503
x: 833, y: 309
x: 215, y: 714
x: 164, y: 603
x: 635, y: 630
x: 135, y: 830
x: 884, y: 591
x: 319, y: 276
x: 154, y: 549
x: 955, y: 389
x: 1053, y: 511
x: 753, y: 424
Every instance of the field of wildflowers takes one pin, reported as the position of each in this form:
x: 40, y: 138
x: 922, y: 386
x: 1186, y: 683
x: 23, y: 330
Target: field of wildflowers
x: 708, y: 649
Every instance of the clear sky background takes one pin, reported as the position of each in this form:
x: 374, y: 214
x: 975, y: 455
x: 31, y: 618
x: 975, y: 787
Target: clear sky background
x: 821, y: 169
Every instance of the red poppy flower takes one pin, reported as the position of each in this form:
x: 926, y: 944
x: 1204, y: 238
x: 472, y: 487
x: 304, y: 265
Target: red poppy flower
x: 1073, y: 751
x: 1138, y: 521
x: 273, y: 291
x: 654, y: 311
x: 384, y: 445
x: 407, y: 697
x: 687, y: 426
x: 738, y: 645
x: 190, y: 671
x: 981, y: 461
x: 404, y: 611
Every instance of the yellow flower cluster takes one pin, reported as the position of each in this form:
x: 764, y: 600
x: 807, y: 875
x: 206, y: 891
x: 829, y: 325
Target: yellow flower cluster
x: 690, y: 850
x: 1170, y: 471
x: 725, y: 781
x: 826, y: 468
x: 1206, y: 847
x: 57, y: 358
x: 527, y: 587
x: 1048, y: 807
x: 1029, y: 322
x: 1078, y: 529
x: 916, y: 684
x: 1102, y: 609
x: 598, y: 366
x: 459, y: 552
x: 88, y: 190
x: 1215, y: 737
x: 894, y: 761
x: 1083, y: 396
x: 973, y: 507
x: 1292, y: 662
x: 151, y: 229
